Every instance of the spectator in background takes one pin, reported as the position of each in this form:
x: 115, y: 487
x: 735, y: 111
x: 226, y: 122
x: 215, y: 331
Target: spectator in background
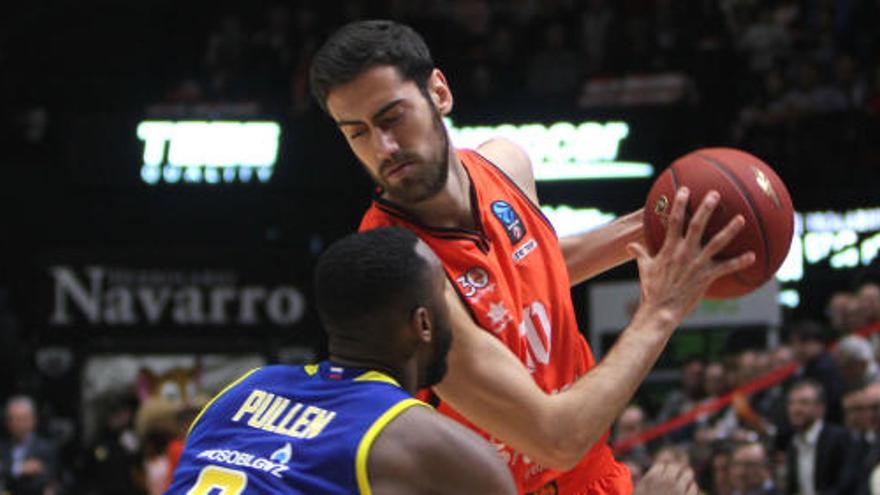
x: 781, y: 356
x: 843, y: 312
x: 554, y: 70
x: 817, y: 453
x: 717, y: 475
x: 812, y: 95
x: 740, y: 420
x: 855, y: 358
x: 715, y: 385
x: 632, y: 423
x: 764, y: 41
x: 684, y: 398
x: 225, y: 57
x: 868, y: 297
x: 29, y: 461
x: 868, y: 481
x: 808, y: 343
x: 849, y: 81
x: 715, y: 381
x: 750, y: 472
x: 597, y: 23
x: 770, y: 402
x: 672, y: 454
x: 861, y: 409
x: 112, y: 460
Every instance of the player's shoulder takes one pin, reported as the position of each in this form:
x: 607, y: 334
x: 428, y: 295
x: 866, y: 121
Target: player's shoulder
x: 260, y: 377
x: 422, y: 444
x: 506, y: 154
x: 513, y: 160
x: 270, y: 373
x: 374, y: 218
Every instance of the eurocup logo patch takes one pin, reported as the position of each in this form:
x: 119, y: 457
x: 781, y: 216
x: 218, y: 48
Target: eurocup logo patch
x: 510, y: 219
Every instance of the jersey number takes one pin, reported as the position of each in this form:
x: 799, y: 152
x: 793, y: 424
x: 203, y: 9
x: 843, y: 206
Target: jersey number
x: 228, y: 481
x: 534, y: 316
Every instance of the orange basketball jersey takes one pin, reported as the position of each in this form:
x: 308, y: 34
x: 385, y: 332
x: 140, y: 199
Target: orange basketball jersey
x: 511, y: 273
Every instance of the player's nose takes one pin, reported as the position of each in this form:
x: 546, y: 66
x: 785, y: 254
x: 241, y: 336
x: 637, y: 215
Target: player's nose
x: 385, y: 144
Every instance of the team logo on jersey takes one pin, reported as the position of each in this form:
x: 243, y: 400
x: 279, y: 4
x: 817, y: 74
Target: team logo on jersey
x: 508, y: 217
x: 282, y: 455
x: 499, y: 316
x: 473, y: 280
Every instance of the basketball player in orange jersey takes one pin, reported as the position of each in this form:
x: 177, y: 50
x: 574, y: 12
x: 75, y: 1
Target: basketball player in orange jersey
x: 520, y: 372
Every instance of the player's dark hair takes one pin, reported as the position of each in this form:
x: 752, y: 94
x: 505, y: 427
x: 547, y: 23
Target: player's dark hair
x: 362, y: 45
x: 364, y: 280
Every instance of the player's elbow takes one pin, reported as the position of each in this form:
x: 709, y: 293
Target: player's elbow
x: 566, y: 448
x: 564, y: 457
x: 559, y: 460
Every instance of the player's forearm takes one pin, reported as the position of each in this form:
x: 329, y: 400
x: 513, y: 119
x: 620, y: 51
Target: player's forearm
x: 590, y: 406
x: 591, y: 253
x: 488, y: 385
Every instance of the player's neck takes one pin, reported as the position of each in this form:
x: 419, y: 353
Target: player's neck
x: 451, y: 207
x: 352, y: 360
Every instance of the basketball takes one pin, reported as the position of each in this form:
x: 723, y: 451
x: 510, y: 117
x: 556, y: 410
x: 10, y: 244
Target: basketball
x: 749, y: 187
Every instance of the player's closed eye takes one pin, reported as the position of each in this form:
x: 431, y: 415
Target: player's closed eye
x: 391, y: 120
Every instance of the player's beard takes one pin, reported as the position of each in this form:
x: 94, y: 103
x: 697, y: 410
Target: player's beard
x: 430, y: 175
x: 437, y: 367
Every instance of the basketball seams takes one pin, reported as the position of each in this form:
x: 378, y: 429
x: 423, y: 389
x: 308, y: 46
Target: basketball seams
x: 743, y: 190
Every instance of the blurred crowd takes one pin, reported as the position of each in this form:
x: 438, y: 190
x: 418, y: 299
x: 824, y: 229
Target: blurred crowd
x: 131, y: 446
x: 797, y: 82
x: 814, y: 432
x: 774, y: 60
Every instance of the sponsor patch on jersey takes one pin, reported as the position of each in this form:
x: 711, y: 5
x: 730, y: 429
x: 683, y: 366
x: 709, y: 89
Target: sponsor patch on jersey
x: 473, y: 281
x: 508, y: 217
x: 524, y: 250
x: 245, y: 459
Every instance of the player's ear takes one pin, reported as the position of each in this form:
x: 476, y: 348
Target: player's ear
x: 439, y: 91
x: 421, y: 325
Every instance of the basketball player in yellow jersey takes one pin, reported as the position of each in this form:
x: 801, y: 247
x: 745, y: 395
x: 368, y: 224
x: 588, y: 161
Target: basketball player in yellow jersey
x: 349, y: 425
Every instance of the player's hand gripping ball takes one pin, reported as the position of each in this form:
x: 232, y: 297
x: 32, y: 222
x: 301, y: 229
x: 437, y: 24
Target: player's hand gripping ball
x: 748, y: 186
